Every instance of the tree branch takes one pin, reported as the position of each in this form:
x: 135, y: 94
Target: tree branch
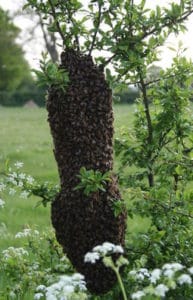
x: 167, y: 207
x: 106, y: 62
x: 50, y: 47
x: 76, y: 35
x: 168, y: 24
x: 97, y: 27
x: 149, y: 126
x: 56, y: 20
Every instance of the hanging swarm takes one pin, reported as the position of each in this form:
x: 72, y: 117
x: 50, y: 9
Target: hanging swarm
x: 81, y: 122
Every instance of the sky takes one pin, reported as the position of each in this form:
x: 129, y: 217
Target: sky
x: 34, y: 48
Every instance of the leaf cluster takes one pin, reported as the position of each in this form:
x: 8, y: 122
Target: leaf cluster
x: 51, y: 74
x: 129, y: 33
x: 92, y: 181
x: 159, y: 150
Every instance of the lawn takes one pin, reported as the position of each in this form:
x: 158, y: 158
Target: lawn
x: 25, y: 137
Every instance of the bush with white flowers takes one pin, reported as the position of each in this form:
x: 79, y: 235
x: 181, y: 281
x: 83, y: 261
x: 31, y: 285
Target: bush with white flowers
x: 39, y: 268
x: 18, y: 182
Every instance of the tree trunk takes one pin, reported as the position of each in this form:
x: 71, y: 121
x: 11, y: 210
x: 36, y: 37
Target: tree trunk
x: 81, y: 122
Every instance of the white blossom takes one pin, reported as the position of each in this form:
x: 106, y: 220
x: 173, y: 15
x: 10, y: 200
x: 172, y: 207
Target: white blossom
x: 169, y: 273
x: 22, y: 176
x: 64, y: 287
x: 12, y: 180
x: 144, y: 271
x: 133, y: 272
x: 12, y: 295
x: 12, y: 191
x: 107, y: 247
x: 14, y: 252
x: 24, y: 194
x: 184, y: 278
x: 77, y: 277
x: 173, y: 266
x: 2, y: 187
x: 191, y: 270
x: 161, y: 290
x: 2, y: 203
x: 30, y: 179
x: 118, y: 249
x: 20, y: 184
x: 137, y: 295
x: 38, y: 296
x: 91, y: 257
x: 140, y: 274
x: 50, y: 296
x: 41, y: 287
x: 18, y: 164
x: 155, y: 275
x: 12, y: 175
x: 26, y: 233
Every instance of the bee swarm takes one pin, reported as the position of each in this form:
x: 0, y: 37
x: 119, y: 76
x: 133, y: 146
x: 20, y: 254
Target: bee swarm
x: 81, y: 122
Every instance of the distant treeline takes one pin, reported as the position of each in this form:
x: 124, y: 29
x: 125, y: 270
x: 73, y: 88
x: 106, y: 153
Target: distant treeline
x: 128, y: 95
x: 19, y: 99
x: 22, y: 95
x: 30, y: 91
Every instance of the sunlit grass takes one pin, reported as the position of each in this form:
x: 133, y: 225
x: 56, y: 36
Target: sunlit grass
x: 25, y: 136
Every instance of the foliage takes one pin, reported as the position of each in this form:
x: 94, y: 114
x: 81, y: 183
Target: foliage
x: 159, y: 147
x: 13, y: 66
x: 39, y: 260
x: 51, y: 74
x: 39, y: 270
x: 26, y: 185
x: 92, y: 181
x: 118, y: 206
x: 125, y: 95
x: 114, y: 27
x: 27, y: 90
x: 171, y: 281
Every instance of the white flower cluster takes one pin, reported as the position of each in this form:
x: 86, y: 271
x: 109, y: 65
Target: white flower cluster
x: 13, y: 252
x: 2, y: 186
x: 18, y: 164
x: 167, y: 273
x: 101, y: 251
x: 27, y: 232
x: 140, y: 274
x: 24, y: 194
x: 2, y: 203
x: 62, y: 289
x: 20, y: 180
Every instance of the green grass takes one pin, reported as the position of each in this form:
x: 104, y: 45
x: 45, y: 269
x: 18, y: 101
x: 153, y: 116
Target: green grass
x: 25, y: 137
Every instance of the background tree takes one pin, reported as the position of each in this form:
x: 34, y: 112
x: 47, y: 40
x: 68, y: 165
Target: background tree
x: 37, y: 31
x: 16, y: 82
x: 13, y: 67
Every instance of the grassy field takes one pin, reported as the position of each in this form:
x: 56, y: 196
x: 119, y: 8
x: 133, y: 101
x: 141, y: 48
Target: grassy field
x: 25, y: 137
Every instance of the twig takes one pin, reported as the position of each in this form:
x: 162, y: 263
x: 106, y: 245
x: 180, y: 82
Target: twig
x: 76, y: 35
x: 96, y: 28
x: 56, y: 20
x: 168, y: 24
x: 166, y: 207
x: 106, y: 62
x: 149, y: 125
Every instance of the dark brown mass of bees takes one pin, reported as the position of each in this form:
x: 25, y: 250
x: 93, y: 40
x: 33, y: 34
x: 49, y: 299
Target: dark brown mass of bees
x: 81, y: 122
